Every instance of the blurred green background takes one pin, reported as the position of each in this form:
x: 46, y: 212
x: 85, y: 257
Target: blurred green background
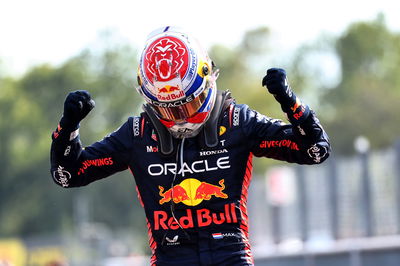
x: 360, y: 96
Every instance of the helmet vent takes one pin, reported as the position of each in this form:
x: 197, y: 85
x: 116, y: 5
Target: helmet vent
x: 205, y: 70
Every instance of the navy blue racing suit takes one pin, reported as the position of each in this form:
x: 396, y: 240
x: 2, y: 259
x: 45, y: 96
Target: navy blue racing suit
x: 195, y: 199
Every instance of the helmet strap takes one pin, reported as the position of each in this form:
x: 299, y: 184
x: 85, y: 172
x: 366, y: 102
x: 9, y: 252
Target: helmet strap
x: 165, y: 138
x: 209, y: 134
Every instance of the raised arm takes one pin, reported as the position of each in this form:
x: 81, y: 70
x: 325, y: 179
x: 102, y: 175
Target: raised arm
x: 303, y: 141
x: 71, y: 165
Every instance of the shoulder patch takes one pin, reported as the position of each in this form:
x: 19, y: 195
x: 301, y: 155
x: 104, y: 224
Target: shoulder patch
x: 235, y: 116
x: 136, y: 126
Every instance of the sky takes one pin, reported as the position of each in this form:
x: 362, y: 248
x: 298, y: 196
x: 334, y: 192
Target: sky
x: 51, y: 31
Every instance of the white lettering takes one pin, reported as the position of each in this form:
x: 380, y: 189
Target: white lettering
x: 207, y: 153
x: 160, y: 166
x: 209, y: 168
x: 185, y: 168
x: 62, y: 176
x: 195, y: 167
x: 151, y: 149
x: 197, y: 170
x: 223, y: 163
x: 173, y: 104
x: 171, y: 167
x: 236, y: 116
x: 67, y: 150
x: 136, y: 126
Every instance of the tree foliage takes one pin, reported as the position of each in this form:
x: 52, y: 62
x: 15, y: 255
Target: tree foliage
x: 366, y: 99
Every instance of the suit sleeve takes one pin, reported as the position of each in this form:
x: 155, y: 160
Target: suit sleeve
x: 303, y: 143
x: 73, y: 166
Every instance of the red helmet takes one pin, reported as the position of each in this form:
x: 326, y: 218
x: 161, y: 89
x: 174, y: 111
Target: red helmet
x: 176, y: 79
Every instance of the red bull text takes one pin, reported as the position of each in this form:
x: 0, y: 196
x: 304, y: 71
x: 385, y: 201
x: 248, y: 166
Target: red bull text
x: 195, y: 218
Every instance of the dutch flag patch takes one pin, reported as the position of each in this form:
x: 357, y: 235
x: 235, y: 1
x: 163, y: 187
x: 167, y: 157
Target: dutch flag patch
x: 217, y: 236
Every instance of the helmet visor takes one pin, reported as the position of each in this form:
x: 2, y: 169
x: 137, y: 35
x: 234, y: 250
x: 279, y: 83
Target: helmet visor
x: 182, y: 112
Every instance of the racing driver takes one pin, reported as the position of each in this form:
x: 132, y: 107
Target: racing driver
x: 190, y: 151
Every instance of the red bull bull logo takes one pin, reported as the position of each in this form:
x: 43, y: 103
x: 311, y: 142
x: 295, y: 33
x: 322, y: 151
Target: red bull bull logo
x: 206, y: 190
x: 177, y: 194
x: 192, y: 192
x: 168, y: 89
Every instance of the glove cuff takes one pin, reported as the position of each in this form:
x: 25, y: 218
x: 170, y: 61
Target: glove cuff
x: 69, y: 125
x: 66, y: 130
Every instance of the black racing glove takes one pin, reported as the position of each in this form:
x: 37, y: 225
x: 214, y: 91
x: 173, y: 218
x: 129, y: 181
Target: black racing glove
x: 77, y: 105
x: 277, y: 84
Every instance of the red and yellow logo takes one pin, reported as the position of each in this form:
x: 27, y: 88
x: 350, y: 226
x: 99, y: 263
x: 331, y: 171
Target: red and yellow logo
x: 192, y: 192
x: 296, y: 105
x: 168, y: 89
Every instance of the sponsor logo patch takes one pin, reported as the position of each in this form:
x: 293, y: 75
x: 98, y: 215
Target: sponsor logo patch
x: 236, y: 116
x: 195, y: 218
x: 195, y: 167
x: 67, y: 150
x: 285, y: 143
x: 222, y: 235
x: 136, y: 130
x: 172, y: 241
x: 192, y: 192
x: 213, y: 152
x: 95, y: 162
x: 150, y: 148
x: 61, y: 176
x: 317, y: 153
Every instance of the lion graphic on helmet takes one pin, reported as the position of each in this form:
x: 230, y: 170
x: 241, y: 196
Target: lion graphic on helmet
x: 167, y: 59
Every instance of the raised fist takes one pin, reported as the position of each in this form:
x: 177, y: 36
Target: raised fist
x: 276, y: 82
x: 77, y: 105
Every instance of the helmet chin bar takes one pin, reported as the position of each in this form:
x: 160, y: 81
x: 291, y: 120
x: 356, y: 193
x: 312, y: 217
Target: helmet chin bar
x: 185, y: 130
